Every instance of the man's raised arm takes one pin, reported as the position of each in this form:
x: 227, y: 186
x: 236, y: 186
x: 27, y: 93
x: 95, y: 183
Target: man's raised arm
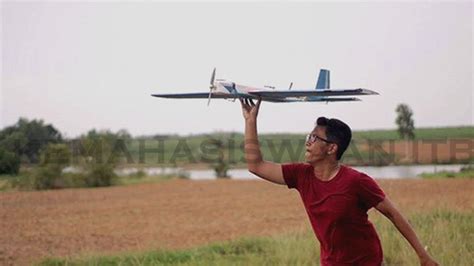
x: 267, y: 170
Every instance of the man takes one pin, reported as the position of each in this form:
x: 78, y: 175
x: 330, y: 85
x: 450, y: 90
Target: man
x: 336, y: 197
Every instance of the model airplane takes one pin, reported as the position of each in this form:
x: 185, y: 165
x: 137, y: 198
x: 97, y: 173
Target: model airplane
x: 223, y: 89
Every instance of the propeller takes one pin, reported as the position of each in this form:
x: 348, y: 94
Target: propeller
x: 291, y: 85
x: 212, y: 86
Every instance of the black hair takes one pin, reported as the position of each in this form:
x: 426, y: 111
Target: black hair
x: 337, y: 132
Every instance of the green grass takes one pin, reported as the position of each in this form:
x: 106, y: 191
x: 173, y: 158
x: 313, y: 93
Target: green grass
x: 448, y: 235
x: 15, y: 182
x: 466, y: 172
x: 289, y: 249
x: 462, y: 132
x: 145, y: 179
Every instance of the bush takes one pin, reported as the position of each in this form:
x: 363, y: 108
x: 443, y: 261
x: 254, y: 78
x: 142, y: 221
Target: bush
x: 220, y: 168
x: 22, y: 181
x: 100, y: 152
x: 46, y: 177
x: 138, y: 174
x: 9, y: 162
x: 54, y: 159
x: 182, y: 174
x: 100, y: 175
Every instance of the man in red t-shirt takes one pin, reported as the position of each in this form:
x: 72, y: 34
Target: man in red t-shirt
x: 336, y: 197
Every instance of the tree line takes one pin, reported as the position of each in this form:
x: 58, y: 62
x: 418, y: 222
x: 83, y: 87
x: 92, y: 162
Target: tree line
x: 42, y: 149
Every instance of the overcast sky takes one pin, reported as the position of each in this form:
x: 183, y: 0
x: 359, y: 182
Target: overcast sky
x: 94, y: 65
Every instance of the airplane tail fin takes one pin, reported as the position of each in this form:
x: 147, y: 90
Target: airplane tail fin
x: 323, y: 80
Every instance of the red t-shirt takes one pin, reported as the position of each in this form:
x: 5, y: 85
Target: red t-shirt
x: 337, y: 210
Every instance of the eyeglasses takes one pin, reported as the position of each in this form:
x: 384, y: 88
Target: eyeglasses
x: 313, y: 138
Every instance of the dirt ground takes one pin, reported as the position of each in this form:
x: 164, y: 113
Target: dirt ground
x: 176, y: 214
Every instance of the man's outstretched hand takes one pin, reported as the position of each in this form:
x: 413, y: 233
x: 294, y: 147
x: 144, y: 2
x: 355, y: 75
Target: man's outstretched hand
x: 428, y: 261
x: 250, y: 109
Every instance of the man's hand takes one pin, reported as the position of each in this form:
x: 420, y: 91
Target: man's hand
x: 391, y: 212
x: 250, y: 109
x: 427, y: 261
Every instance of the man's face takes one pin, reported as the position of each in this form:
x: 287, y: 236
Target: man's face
x: 317, y: 145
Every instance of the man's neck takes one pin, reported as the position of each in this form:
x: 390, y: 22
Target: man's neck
x: 326, y: 170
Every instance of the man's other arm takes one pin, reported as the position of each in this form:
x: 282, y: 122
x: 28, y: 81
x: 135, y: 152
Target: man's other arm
x: 387, y: 208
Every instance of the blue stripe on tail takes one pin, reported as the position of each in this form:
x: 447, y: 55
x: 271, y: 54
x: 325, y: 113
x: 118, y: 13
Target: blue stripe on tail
x: 323, y: 80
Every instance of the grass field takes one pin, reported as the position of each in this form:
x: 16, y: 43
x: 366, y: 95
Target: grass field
x: 448, y: 235
x: 464, y: 132
x: 220, y: 222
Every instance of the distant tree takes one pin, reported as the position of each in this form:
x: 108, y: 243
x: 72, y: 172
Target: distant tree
x: 404, y: 121
x: 406, y: 125
x: 105, y: 145
x: 56, y: 155
x: 215, y: 145
x: 28, y: 138
x: 221, y: 164
x: 13, y: 141
x: 101, y: 152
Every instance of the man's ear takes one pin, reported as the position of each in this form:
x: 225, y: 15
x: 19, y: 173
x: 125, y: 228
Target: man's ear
x: 333, y: 149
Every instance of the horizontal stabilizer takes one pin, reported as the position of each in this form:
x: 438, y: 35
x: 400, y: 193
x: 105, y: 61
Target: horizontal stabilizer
x: 339, y: 99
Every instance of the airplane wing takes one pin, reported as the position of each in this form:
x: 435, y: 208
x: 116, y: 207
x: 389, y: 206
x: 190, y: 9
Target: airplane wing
x: 273, y: 98
x: 200, y: 95
x: 321, y: 93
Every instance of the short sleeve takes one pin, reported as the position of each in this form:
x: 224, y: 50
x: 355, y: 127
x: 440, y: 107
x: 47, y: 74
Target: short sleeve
x: 292, y: 173
x: 369, y: 191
